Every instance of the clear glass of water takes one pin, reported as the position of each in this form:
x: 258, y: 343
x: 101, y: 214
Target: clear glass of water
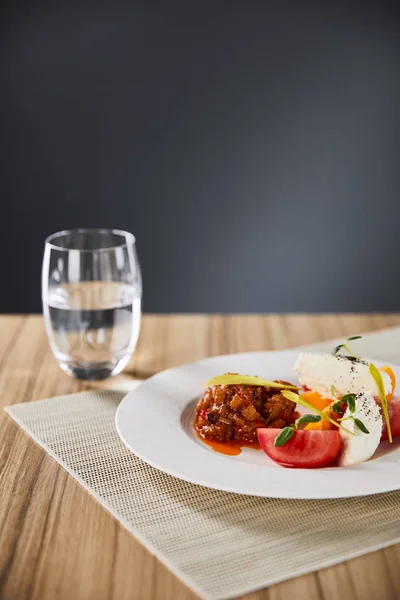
x: 91, y: 293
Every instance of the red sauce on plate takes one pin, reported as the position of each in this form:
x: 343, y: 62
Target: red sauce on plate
x: 232, y: 448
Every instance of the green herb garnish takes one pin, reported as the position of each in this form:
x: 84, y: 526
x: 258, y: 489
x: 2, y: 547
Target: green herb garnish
x: 360, y: 425
x: 287, y: 432
x: 338, y: 408
x: 376, y: 374
x: 284, y: 436
x: 346, y: 347
x: 307, y: 419
x: 299, y: 400
x: 336, y: 349
x: 350, y: 400
x: 236, y: 379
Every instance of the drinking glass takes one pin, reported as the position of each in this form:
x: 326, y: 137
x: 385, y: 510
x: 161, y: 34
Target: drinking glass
x: 91, y: 293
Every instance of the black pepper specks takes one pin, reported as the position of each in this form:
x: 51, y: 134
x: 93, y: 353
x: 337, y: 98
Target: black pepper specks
x: 352, y: 359
x: 363, y: 404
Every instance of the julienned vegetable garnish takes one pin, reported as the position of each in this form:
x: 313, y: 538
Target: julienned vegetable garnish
x: 334, y: 392
x: 287, y: 432
x: 299, y: 400
x: 381, y: 391
x: 237, y: 379
x: 346, y: 346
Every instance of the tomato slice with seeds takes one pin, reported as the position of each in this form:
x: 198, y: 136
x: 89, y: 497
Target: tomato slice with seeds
x: 305, y: 449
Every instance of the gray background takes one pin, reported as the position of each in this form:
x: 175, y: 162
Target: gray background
x: 253, y: 148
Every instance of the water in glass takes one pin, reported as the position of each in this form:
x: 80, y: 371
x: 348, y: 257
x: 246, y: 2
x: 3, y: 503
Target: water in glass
x: 92, y: 324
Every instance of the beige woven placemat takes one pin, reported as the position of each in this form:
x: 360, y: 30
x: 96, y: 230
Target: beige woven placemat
x: 219, y: 544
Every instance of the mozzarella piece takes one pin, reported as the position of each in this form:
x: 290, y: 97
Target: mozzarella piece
x: 319, y: 372
x: 361, y: 446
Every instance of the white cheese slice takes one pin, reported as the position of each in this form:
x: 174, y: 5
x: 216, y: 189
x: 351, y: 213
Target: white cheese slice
x: 360, y: 446
x: 319, y: 372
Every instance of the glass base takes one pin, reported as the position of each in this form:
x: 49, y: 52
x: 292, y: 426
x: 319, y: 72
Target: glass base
x: 94, y: 372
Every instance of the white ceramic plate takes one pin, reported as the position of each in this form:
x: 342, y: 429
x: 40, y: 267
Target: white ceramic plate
x: 155, y: 422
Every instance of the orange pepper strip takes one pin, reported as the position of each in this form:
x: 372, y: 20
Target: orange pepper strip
x: 324, y: 424
x: 316, y: 399
x: 388, y: 370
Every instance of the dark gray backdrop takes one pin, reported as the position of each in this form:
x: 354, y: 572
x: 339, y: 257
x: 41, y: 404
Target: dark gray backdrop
x: 253, y: 148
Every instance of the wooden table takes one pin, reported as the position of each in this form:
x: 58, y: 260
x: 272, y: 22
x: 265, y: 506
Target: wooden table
x: 57, y: 542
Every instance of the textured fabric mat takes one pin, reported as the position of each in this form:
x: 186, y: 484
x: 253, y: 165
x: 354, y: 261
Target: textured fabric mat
x: 221, y: 545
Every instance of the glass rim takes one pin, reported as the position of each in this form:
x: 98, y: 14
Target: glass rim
x: 129, y: 238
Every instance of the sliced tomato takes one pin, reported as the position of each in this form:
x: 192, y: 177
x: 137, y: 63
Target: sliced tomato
x: 305, y: 450
x: 394, y: 416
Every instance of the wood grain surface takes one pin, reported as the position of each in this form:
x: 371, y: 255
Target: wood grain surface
x: 57, y: 542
